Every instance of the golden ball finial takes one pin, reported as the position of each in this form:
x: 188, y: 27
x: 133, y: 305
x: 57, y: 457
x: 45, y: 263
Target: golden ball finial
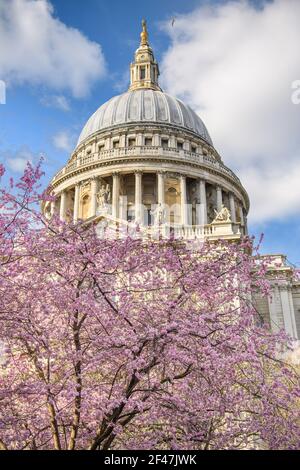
x: 144, y: 34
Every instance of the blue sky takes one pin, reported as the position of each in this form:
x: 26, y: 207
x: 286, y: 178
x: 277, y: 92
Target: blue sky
x: 44, y: 115
x: 116, y: 25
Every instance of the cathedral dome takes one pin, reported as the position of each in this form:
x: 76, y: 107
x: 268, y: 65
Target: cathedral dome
x: 146, y: 157
x: 144, y: 106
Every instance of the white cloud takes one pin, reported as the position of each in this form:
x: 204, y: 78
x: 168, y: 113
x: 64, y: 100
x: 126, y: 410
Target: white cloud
x: 17, y: 165
x: 16, y: 161
x: 63, y: 141
x: 56, y: 101
x: 235, y: 64
x: 121, y: 81
x: 37, y: 48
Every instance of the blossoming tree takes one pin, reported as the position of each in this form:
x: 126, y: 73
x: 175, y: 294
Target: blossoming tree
x: 127, y: 344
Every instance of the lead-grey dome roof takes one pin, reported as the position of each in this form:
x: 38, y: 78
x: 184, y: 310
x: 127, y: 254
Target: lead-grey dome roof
x: 146, y: 106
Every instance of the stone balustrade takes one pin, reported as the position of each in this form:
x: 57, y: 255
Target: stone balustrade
x: 117, y: 228
x: 148, y: 152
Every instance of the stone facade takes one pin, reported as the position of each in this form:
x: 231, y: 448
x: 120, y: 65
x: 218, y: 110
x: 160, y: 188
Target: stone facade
x: 282, y: 309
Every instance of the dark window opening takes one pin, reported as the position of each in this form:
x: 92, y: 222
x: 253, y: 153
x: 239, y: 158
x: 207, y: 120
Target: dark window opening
x: 131, y: 142
x: 142, y: 73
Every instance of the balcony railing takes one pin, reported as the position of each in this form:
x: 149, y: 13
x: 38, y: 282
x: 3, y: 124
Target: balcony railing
x: 147, y: 151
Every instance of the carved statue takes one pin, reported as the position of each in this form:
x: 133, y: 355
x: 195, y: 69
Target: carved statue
x: 103, y: 196
x: 159, y: 214
x: 223, y: 215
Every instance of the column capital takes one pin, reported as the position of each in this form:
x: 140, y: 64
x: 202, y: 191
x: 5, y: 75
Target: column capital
x: 86, y: 181
x: 172, y: 174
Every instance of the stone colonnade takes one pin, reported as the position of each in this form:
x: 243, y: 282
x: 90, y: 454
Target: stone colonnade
x: 202, y: 217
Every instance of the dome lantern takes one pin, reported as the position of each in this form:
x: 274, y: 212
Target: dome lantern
x: 144, y: 70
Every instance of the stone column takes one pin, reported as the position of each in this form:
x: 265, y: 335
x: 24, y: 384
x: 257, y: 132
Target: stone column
x: 183, y: 201
x: 186, y: 145
x: 241, y: 215
x: 76, y: 203
x: 122, y: 141
x: 63, y: 205
x: 202, y: 206
x: 172, y: 141
x: 115, y: 195
x: 107, y: 143
x: 288, y: 311
x: 160, y: 188
x: 138, y: 197
x: 245, y: 225
x: 94, y: 189
x: 219, y: 198
x: 139, y: 140
x: 232, y: 208
x: 274, y: 318
x: 156, y: 140
x: 52, y: 208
